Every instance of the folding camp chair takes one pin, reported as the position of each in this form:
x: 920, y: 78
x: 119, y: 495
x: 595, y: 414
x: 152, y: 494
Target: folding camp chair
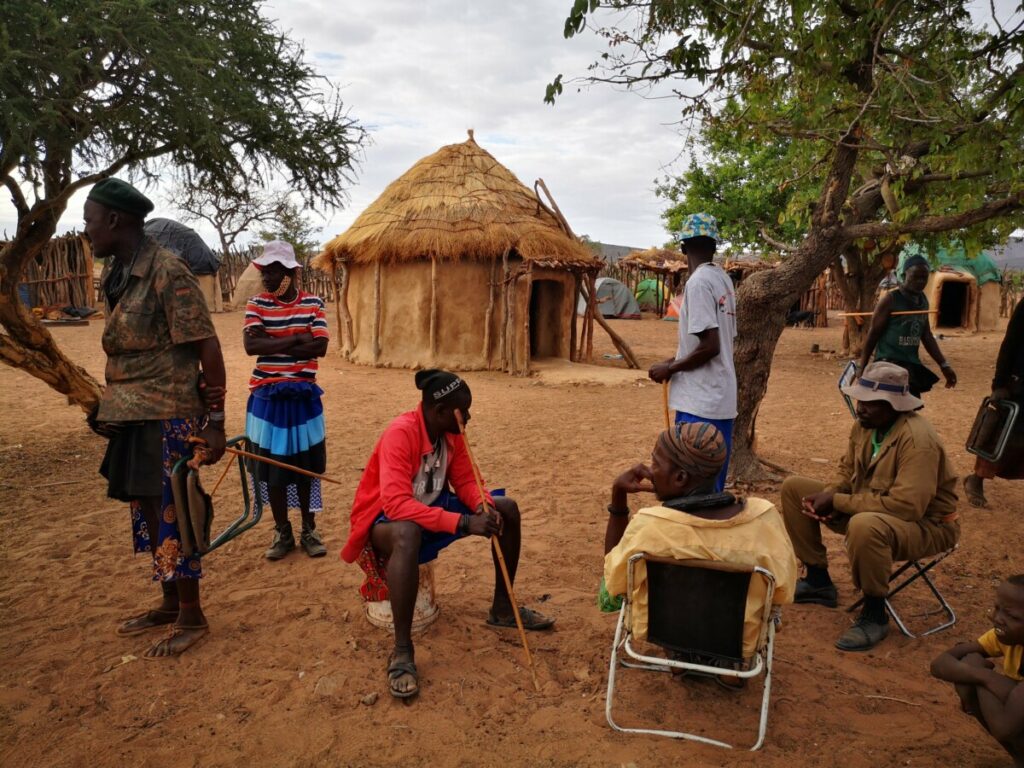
x: 696, y: 611
x: 919, y: 572
x: 252, y: 506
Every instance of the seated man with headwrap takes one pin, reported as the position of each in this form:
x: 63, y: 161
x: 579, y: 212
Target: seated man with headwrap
x: 694, y: 522
x: 418, y: 495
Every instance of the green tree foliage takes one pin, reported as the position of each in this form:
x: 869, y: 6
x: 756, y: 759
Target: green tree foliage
x: 902, y: 119
x: 742, y: 183
x: 211, y: 90
x: 292, y: 225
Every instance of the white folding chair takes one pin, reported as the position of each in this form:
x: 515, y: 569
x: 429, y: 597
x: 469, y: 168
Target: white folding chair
x: 696, y: 610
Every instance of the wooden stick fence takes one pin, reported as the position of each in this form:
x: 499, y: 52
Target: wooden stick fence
x: 63, y: 276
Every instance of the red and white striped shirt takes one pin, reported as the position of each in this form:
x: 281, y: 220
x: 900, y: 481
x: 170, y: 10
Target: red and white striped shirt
x: 303, y: 314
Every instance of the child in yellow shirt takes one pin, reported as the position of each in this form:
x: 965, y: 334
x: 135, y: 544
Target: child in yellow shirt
x: 995, y: 699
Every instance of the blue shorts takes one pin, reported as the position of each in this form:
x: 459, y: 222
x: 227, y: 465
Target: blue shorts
x: 432, y: 542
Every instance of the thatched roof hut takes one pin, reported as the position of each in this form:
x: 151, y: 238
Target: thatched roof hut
x: 667, y: 267
x: 458, y: 264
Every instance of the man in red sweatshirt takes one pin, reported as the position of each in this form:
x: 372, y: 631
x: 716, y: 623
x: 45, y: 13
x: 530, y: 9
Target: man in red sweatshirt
x: 417, y: 495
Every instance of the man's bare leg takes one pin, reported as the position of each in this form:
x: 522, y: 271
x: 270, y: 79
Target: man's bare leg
x: 510, y: 542
x: 190, y: 623
x: 399, y: 542
x: 167, y: 610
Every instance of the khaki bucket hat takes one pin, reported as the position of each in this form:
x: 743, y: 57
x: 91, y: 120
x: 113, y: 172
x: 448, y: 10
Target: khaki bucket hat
x: 885, y: 381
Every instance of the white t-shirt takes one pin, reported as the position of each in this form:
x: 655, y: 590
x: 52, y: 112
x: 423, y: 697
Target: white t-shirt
x: 708, y: 302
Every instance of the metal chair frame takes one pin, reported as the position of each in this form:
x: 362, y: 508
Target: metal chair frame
x: 920, y: 572
x: 252, y: 506
x: 762, y: 657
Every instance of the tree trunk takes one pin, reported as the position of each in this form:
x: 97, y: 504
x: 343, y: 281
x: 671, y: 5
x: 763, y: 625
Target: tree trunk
x: 858, y: 285
x: 27, y: 344
x: 764, y: 298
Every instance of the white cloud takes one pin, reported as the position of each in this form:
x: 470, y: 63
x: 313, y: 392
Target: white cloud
x: 419, y: 74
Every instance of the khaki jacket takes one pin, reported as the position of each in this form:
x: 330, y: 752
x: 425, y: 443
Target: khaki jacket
x: 754, y: 537
x: 910, y: 478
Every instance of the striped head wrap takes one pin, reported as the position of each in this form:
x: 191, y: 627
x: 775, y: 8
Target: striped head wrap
x: 697, y: 448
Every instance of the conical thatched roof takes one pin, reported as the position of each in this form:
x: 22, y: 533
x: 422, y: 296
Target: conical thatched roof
x: 656, y: 259
x: 458, y: 203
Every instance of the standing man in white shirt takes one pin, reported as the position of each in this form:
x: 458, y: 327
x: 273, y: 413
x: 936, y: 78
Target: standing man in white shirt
x: 702, y: 375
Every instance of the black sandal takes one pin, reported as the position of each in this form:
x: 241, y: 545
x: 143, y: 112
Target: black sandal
x: 397, y: 669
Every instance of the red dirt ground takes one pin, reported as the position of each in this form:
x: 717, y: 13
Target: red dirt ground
x: 280, y: 679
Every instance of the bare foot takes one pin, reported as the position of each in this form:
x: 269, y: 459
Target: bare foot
x: 974, y: 487
x: 156, y: 617
x: 177, y: 642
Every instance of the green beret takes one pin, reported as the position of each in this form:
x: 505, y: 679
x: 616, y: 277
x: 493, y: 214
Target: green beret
x: 121, y: 196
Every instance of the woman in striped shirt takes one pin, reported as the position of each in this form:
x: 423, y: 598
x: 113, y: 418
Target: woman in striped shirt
x: 286, y: 329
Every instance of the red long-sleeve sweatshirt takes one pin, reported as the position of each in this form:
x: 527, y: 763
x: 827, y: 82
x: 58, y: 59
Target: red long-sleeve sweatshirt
x: 386, y: 484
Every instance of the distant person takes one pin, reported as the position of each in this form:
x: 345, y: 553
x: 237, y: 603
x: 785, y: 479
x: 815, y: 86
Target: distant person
x: 158, y: 335
x: 287, y: 330
x: 702, y: 375
x: 896, y: 338
x: 692, y: 521
x: 894, y: 498
x: 417, y: 496
x: 1007, y: 384
x: 995, y: 700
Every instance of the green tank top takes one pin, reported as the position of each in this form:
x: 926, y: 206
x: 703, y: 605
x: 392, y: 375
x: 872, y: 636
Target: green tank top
x: 902, y: 335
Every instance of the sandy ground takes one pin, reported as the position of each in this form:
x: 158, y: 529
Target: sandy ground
x: 279, y: 681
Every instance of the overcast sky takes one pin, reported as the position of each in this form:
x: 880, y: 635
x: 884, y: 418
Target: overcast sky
x: 417, y: 75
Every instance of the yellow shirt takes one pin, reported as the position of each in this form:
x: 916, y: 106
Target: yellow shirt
x: 754, y: 537
x: 1013, y: 655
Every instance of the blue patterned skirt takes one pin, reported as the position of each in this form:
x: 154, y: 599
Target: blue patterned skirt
x: 284, y: 421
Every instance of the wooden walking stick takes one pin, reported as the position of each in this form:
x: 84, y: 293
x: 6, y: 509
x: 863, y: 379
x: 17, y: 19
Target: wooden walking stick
x: 296, y: 470
x: 497, y: 551
x: 664, y: 401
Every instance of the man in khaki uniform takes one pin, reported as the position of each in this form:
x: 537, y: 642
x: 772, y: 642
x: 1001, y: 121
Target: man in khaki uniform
x: 893, y: 496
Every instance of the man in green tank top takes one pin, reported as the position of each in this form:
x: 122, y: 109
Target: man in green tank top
x: 895, y: 337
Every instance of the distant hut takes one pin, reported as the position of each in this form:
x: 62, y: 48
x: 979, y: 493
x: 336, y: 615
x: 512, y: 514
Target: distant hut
x: 668, y: 268
x: 458, y: 264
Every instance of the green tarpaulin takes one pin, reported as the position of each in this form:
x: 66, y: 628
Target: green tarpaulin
x: 981, y: 266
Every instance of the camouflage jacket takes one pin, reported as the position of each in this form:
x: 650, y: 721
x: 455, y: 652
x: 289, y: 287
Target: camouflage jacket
x: 152, y: 364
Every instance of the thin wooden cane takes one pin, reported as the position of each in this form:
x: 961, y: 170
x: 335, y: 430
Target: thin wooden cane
x: 892, y: 314
x: 664, y: 402
x: 497, y: 551
x: 296, y: 470
x: 227, y: 468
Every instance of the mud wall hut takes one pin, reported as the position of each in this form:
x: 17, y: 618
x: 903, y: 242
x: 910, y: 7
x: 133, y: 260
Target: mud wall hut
x: 458, y: 264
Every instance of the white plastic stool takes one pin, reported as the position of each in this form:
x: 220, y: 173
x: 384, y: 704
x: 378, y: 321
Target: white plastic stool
x: 424, y: 613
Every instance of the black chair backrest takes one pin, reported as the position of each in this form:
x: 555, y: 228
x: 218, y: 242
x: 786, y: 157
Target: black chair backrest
x: 697, y: 610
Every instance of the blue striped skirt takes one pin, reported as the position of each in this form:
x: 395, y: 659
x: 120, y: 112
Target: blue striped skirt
x: 284, y: 421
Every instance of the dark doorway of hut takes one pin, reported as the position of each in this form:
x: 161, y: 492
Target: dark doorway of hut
x: 954, y: 299
x: 546, y: 310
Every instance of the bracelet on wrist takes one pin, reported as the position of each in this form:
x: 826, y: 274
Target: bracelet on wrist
x: 944, y: 365
x: 463, y: 527
x: 616, y: 512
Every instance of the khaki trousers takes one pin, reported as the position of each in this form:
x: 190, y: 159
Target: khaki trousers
x: 873, y: 540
